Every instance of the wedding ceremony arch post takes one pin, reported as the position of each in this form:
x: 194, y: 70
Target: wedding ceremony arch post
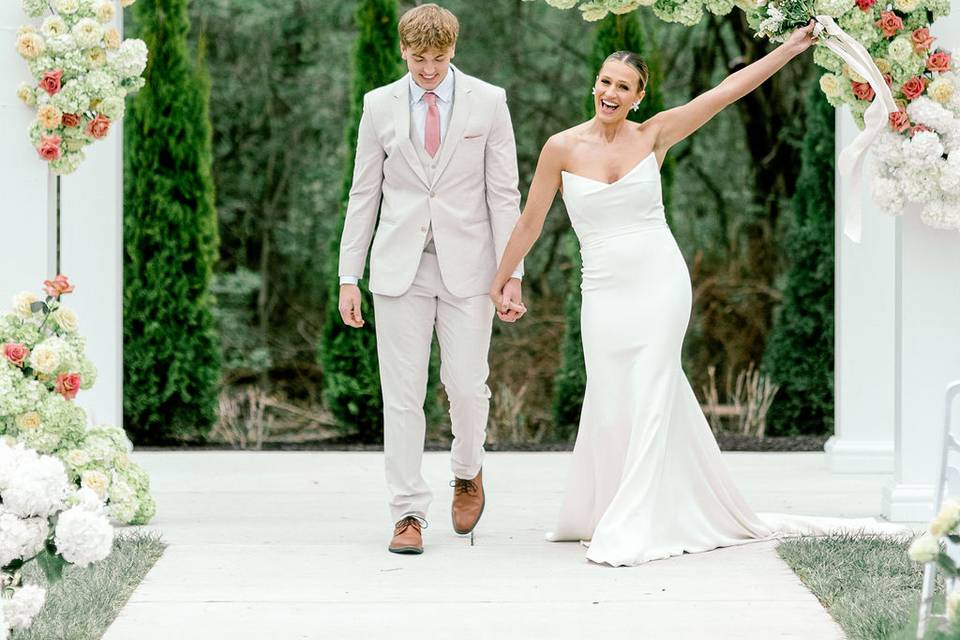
x: 898, y: 340
x: 91, y: 227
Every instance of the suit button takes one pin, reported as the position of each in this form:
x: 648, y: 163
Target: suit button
x: 433, y: 194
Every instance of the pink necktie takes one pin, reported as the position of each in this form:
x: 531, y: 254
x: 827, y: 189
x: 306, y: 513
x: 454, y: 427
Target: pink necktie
x: 431, y: 132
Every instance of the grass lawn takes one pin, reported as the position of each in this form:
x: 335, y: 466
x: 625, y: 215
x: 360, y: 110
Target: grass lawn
x: 85, y: 602
x: 869, y: 585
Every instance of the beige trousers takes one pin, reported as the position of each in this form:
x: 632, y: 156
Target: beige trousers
x: 405, y: 326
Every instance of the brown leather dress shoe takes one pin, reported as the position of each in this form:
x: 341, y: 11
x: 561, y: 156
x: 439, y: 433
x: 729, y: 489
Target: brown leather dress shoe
x: 468, y: 502
x: 407, y: 537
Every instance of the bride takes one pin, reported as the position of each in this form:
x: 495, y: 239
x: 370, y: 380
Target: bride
x: 648, y: 481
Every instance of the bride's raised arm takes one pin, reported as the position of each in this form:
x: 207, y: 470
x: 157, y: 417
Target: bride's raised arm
x: 543, y: 188
x: 673, y: 125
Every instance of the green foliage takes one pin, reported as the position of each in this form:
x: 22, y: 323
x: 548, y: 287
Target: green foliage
x: 799, y: 354
x: 615, y: 33
x: 171, y: 351
x: 351, y: 380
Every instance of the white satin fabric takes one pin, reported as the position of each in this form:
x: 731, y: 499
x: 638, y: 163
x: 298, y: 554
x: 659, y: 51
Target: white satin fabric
x: 648, y: 480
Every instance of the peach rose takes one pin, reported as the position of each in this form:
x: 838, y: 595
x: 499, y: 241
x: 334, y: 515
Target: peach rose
x: 50, y: 82
x: 16, y: 353
x: 939, y: 61
x: 913, y: 88
x: 890, y: 23
x: 68, y: 384
x: 99, y: 126
x: 58, y: 286
x: 899, y: 121
x: 921, y: 40
x: 888, y: 79
x: 863, y: 90
x: 49, y: 148
x: 70, y: 119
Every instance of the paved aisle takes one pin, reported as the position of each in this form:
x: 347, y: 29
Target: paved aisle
x: 293, y: 545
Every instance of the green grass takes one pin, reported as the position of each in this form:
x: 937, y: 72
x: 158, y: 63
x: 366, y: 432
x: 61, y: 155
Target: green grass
x: 868, y: 584
x: 85, y: 602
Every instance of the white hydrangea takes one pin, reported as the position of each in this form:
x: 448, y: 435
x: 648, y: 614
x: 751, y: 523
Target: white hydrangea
x: 950, y: 174
x: 923, y: 150
x: 130, y: 59
x: 83, y: 536
x: 887, y: 194
x: 942, y: 214
x: 19, y: 611
x: 832, y: 8
x: 32, y: 485
x: 20, y: 538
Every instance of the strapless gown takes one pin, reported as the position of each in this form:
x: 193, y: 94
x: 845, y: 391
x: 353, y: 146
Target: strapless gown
x: 648, y: 481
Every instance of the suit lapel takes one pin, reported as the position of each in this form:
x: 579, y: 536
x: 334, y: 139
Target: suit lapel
x: 401, y: 120
x: 462, y: 102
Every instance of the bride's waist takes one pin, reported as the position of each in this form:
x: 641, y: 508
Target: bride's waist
x: 600, y: 237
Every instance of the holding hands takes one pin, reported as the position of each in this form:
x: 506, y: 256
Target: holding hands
x: 508, y: 301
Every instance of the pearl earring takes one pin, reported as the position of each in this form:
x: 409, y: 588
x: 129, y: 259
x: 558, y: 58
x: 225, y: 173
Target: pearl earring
x: 593, y: 91
x: 636, y: 105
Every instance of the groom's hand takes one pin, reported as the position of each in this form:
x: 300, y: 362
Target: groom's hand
x: 350, y: 305
x: 511, y: 306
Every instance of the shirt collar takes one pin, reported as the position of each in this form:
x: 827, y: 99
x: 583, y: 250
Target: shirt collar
x: 444, y: 90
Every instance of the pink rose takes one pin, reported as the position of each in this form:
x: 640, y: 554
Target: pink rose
x: 888, y: 79
x: 68, y: 384
x: 913, y: 88
x: 70, y: 119
x: 889, y: 23
x: 939, y: 61
x: 16, y: 353
x: 922, y: 40
x: 863, y: 90
x: 899, y: 121
x: 50, y: 82
x: 49, y: 148
x: 99, y: 126
x: 58, y: 286
x: 866, y: 4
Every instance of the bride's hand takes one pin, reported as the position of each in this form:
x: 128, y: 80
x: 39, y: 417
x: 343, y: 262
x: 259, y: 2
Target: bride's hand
x: 801, y: 39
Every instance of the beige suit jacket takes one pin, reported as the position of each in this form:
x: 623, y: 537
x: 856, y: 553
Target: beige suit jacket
x: 472, y: 203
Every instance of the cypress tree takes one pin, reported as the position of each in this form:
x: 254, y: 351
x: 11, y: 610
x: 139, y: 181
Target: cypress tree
x: 351, y: 382
x: 799, y: 354
x: 615, y: 33
x: 171, y: 350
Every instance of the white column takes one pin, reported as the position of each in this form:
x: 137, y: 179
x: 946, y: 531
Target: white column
x: 927, y: 346
x: 27, y: 215
x: 864, y: 333
x: 91, y: 227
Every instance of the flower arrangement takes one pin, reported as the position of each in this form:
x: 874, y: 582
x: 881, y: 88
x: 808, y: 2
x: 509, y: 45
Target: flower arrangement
x: 82, y: 71
x: 928, y: 548
x: 42, y: 369
x: 43, y: 518
x: 918, y: 156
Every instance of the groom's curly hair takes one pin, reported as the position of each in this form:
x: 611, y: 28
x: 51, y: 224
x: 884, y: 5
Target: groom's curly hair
x: 428, y: 26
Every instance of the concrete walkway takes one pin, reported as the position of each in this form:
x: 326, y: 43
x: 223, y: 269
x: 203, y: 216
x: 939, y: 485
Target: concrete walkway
x: 293, y: 545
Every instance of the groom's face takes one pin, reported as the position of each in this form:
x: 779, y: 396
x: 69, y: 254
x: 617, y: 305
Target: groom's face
x: 428, y: 67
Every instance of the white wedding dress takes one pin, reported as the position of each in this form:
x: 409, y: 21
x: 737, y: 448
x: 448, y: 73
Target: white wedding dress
x: 648, y: 481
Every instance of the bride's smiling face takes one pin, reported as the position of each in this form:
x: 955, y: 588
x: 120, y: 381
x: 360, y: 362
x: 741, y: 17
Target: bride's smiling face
x: 616, y: 90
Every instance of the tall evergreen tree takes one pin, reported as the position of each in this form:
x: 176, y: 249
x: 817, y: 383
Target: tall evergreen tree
x: 171, y: 350
x: 615, y: 33
x: 799, y: 355
x: 351, y: 379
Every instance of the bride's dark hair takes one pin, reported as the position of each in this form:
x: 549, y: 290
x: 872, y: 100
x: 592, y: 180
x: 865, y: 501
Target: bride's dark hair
x: 634, y: 61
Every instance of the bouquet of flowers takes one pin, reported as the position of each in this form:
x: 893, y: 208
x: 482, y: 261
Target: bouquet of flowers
x: 44, y: 518
x: 928, y: 548
x: 82, y: 71
x: 42, y: 368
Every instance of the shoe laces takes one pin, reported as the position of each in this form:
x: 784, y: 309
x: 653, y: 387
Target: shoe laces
x: 407, y: 522
x: 461, y: 486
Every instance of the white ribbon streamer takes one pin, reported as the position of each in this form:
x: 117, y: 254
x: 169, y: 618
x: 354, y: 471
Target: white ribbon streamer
x: 850, y: 162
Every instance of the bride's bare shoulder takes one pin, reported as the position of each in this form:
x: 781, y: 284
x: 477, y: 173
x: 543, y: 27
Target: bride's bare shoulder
x: 562, y: 142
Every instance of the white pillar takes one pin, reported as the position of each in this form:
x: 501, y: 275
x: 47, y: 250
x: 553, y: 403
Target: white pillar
x: 927, y: 346
x: 91, y: 227
x: 865, y: 310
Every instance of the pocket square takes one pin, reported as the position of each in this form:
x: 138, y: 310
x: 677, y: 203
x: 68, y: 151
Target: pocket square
x: 472, y: 136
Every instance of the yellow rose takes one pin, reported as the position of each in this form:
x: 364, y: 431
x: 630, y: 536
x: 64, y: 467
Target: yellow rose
x: 883, y: 65
x: 66, y: 319
x: 95, y: 480
x: 77, y: 457
x: 853, y: 75
x: 104, y: 11
x: 66, y: 6
x: 44, y: 359
x: 941, y: 90
x: 947, y: 519
x: 26, y: 93
x: 830, y: 85
x: 112, y: 38
x: 595, y: 13
x: 96, y: 57
x: 49, y: 116
x: 54, y: 26
x: 22, y: 302
x: 906, y: 5
x: 27, y: 28
x: 28, y: 421
x: 29, y: 45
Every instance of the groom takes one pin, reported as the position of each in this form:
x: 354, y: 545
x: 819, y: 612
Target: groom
x: 436, y: 156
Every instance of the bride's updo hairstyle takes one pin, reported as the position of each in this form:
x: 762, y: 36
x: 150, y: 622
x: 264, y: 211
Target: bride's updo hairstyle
x: 634, y: 61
